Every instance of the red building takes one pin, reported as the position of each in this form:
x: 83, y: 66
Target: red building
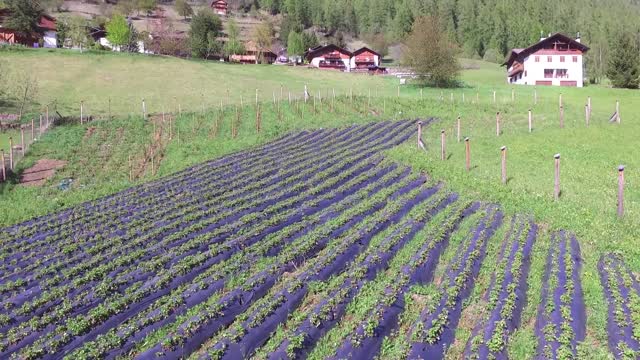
x: 220, y: 7
x: 329, y: 57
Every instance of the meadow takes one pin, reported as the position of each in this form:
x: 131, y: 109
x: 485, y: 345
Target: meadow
x: 99, y: 163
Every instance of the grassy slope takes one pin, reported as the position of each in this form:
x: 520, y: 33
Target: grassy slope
x: 589, y: 155
x: 66, y: 78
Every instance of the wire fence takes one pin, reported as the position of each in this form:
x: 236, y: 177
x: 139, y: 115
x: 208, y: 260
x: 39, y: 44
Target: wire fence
x: 19, y: 146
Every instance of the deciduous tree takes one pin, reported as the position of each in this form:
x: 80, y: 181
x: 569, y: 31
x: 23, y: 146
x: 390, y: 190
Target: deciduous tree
x: 118, y: 31
x: 233, y: 46
x: 25, y: 16
x: 431, y: 54
x: 205, y: 28
x: 183, y: 8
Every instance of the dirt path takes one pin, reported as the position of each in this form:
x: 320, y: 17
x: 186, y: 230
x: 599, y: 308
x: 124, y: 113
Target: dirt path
x: 38, y: 174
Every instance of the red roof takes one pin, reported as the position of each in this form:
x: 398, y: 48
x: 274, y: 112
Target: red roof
x: 363, y: 49
x: 522, y: 53
x: 47, y: 23
x: 312, y: 53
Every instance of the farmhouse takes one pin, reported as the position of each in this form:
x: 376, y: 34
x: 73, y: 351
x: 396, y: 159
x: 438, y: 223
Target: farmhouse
x: 554, y: 60
x: 220, y: 7
x: 329, y: 57
x: 364, y: 58
x: 46, y: 36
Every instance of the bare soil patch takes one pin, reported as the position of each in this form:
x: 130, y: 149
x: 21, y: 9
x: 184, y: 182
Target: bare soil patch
x: 39, y: 173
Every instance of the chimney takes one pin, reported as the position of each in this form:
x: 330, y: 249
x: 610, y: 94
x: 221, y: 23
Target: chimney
x: 542, y: 35
x: 578, y: 37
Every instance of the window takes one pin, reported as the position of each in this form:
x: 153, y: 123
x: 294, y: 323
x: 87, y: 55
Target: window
x: 525, y: 73
x: 561, y: 73
x: 561, y: 58
x: 575, y: 59
x: 548, y: 73
x: 537, y: 58
x: 549, y: 59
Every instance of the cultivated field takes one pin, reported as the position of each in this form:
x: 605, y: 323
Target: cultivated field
x: 312, y: 246
x: 580, y: 260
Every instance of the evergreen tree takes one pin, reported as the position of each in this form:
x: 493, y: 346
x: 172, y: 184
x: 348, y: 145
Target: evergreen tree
x: 624, y: 69
x: 183, y: 8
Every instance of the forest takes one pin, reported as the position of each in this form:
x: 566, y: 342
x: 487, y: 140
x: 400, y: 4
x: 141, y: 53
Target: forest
x: 485, y: 29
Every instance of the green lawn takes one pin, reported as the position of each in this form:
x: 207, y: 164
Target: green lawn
x: 590, y: 155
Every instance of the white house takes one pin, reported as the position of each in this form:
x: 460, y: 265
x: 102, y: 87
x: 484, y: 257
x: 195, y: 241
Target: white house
x: 554, y: 60
x: 329, y: 57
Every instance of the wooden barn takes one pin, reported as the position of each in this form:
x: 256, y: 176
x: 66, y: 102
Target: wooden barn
x: 364, y: 58
x: 220, y: 7
x: 329, y: 57
x: 252, y: 55
x: 47, y: 35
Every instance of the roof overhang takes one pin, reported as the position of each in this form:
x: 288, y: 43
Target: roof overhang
x: 521, y: 53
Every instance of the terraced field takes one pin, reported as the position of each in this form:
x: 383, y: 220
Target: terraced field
x: 311, y: 246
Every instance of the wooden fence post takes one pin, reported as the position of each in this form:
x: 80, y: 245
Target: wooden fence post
x: 398, y: 90
x: 22, y: 139
x: 467, y: 153
x: 589, y: 105
x: 144, y: 110
x: 494, y: 96
x: 420, y: 143
x: 463, y: 97
x: 451, y: 97
x: 560, y: 100
x: 421, y: 97
x: 530, y: 121
x: 503, y: 150
x: 458, y: 128
x: 513, y: 95
x: 535, y: 96
x: 586, y: 113
x: 4, y: 170
x: 618, y: 111
x: 130, y: 169
x: 620, y: 191
x: 33, y: 129
x: 40, y: 127
x: 556, y: 187
x: 82, y: 112
x: 561, y: 117
x: 498, y: 123
x: 11, y: 153
x: 443, y: 149
x: 47, y: 119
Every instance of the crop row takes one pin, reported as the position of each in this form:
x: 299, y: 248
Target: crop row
x: 561, y: 321
x: 622, y: 291
x: 506, y: 295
